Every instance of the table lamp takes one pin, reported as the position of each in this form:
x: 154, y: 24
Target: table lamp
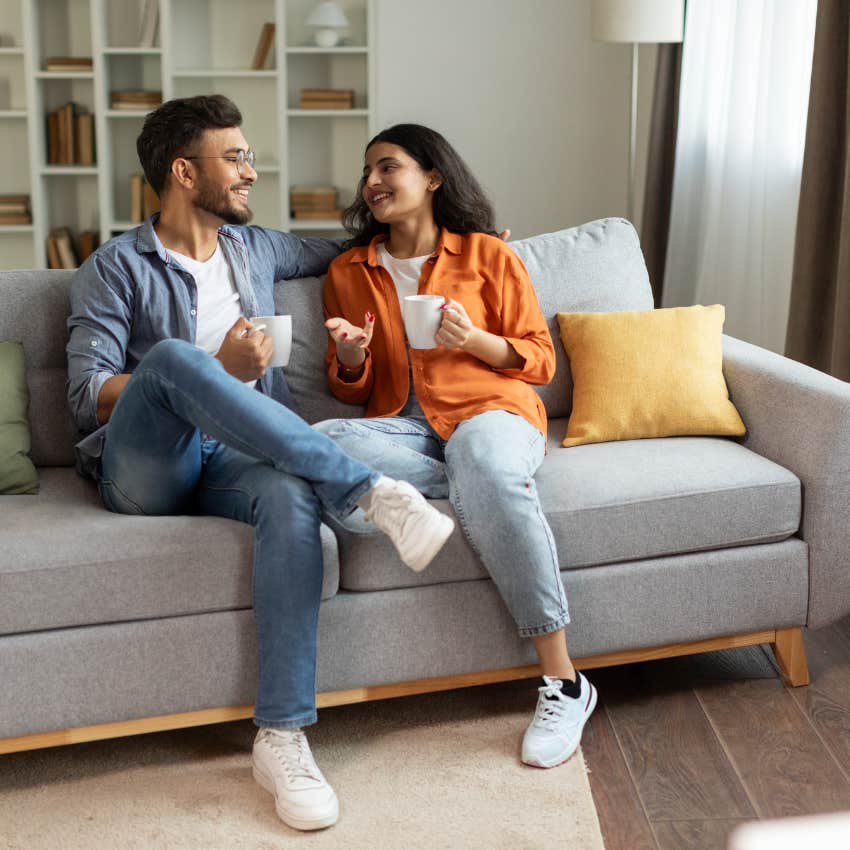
x: 328, y: 18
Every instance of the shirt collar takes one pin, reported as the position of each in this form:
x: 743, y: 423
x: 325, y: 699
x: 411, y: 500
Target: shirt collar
x: 451, y: 242
x: 148, y: 242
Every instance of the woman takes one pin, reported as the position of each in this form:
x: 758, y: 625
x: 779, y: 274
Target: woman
x: 459, y: 420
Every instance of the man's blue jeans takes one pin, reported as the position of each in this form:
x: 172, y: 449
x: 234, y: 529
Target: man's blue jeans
x: 187, y: 437
x: 487, y: 470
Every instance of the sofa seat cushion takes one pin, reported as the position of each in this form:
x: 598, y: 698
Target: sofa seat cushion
x: 67, y: 561
x: 615, y: 502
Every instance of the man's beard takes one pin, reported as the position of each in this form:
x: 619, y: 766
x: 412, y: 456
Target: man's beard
x: 218, y: 202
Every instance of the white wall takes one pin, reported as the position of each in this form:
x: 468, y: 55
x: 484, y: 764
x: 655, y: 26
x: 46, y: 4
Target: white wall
x: 536, y: 108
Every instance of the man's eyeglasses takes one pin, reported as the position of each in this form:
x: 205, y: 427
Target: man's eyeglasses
x: 239, y: 158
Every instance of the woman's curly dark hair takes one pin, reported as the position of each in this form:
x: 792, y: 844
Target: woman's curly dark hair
x: 460, y: 204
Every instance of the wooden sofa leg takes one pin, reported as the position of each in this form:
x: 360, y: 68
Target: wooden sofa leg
x: 790, y: 655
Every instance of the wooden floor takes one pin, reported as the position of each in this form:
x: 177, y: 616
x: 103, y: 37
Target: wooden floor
x: 681, y: 751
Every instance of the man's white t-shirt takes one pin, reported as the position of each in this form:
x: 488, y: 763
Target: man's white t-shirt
x: 218, y: 300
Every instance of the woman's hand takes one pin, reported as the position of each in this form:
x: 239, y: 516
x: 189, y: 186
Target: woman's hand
x: 351, y: 341
x: 456, y: 328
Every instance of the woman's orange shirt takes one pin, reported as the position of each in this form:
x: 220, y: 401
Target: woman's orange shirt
x: 492, y: 284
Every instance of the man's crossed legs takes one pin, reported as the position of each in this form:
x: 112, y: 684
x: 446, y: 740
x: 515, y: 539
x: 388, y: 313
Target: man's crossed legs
x: 187, y: 437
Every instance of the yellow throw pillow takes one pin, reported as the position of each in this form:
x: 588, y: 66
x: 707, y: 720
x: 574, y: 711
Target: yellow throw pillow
x: 647, y: 373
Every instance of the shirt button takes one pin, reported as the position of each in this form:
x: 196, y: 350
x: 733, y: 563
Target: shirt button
x: 193, y: 312
x: 93, y: 343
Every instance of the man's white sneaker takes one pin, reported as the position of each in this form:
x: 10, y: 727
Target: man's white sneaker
x: 555, y: 732
x: 418, y: 530
x: 284, y: 766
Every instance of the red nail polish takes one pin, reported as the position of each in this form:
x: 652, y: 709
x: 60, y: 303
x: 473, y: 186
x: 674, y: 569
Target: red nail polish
x: 345, y: 336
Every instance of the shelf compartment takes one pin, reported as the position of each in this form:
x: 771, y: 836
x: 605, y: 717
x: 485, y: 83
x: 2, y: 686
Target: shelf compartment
x: 326, y: 71
x: 13, y: 89
x: 124, y: 25
x: 71, y: 203
x: 220, y: 28
x: 299, y: 35
x: 327, y: 152
x: 63, y: 28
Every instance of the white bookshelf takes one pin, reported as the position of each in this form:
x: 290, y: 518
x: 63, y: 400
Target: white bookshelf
x: 202, y: 47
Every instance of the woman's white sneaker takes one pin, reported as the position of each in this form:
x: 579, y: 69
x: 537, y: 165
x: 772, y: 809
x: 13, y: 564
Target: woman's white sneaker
x: 555, y: 732
x: 285, y: 767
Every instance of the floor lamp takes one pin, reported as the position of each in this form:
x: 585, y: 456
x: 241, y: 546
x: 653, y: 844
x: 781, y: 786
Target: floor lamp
x: 635, y: 22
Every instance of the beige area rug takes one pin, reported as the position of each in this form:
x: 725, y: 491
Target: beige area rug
x: 434, y: 771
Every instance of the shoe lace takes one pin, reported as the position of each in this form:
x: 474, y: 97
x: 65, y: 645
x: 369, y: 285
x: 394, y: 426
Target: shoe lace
x: 550, y: 704
x: 389, y: 507
x: 293, y: 753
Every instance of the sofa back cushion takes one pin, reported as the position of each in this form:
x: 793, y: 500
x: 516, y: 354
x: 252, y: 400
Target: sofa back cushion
x: 592, y: 268
x: 597, y: 267
x: 34, y: 309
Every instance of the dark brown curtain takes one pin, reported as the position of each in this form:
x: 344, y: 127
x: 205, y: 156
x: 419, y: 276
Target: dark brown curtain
x: 819, y: 314
x: 658, y: 194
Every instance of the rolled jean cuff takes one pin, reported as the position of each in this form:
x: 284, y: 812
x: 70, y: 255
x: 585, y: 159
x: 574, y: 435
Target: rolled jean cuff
x: 546, y: 628
x: 297, y: 723
x: 356, y: 494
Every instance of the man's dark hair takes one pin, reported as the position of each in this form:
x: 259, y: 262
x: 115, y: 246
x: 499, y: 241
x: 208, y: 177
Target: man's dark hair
x: 175, y: 129
x: 460, y: 204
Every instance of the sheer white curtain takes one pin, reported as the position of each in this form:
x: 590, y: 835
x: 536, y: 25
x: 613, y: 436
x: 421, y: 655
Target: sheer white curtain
x: 744, y: 94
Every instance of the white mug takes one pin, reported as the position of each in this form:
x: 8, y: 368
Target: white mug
x: 422, y: 319
x: 279, y: 330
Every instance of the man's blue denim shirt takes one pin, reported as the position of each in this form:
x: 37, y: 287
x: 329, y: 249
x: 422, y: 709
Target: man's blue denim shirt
x: 131, y: 293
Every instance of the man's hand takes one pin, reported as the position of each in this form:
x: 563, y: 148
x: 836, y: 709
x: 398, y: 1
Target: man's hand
x: 351, y: 341
x: 245, y: 352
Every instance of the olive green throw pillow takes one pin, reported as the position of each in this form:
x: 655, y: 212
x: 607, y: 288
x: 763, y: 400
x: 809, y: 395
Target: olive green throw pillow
x: 17, y: 473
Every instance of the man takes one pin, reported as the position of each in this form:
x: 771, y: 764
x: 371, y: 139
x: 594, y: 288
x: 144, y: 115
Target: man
x: 169, y: 378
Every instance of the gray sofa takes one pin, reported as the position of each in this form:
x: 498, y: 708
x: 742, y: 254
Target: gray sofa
x: 117, y: 624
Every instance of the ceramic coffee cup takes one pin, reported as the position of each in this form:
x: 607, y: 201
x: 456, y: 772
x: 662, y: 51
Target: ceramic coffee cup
x: 279, y: 330
x: 422, y: 318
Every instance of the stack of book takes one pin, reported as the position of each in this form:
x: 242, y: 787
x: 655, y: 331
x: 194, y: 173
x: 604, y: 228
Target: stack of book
x: 327, y: 99
x: 144, y: 202
x: 69, y: 64
x: 63, y: 253
x: 142, y: 101
x: 15, y: 209
x: 70, y: 136
x: 314, y: 202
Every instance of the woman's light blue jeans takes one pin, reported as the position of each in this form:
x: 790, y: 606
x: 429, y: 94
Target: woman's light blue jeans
x: 487, y: 470
x: 187, y: 437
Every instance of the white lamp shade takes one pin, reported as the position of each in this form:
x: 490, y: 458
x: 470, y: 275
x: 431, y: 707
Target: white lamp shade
x: 638, y: 20
x: 327, y: 14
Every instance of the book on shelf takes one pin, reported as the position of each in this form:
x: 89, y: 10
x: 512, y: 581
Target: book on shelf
x: 310, y: 194
x: 317, y: 215
x: 135, y: 99
x: 69, y: 64
x: 148, y: 23
x: 61, y: 253
x: 264, y: 47
x: 70, y: 136
x: 14, y: 218
x: 327, y: 99
x: 87, y: 241
x: 14, y: 204
x: 84, y: 138
x: 144, y: 201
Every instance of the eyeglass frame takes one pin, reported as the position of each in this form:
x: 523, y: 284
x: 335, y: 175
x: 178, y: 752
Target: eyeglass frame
x: 247, y: 157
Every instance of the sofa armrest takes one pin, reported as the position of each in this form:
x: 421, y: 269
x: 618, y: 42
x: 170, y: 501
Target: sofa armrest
x: 800, y: 418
